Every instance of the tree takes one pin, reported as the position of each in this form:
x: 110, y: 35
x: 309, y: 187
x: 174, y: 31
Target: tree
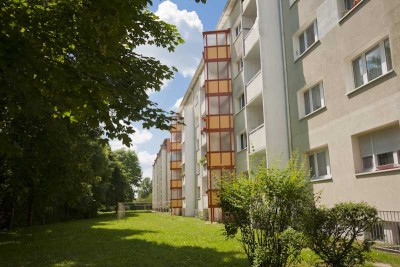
x: 52, y: 176
x: 332, y: 233
x: 268, y: 209
x: 145, y: 189
x: 76, y: 59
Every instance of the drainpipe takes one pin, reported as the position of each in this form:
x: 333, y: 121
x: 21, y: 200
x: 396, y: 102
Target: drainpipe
x: 286, y: 79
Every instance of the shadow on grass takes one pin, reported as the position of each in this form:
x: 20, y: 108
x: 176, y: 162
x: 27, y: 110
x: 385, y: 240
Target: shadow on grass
x: 91, y: 244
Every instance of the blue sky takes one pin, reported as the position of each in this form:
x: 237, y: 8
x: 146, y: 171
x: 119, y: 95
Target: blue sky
x: 191, y: 19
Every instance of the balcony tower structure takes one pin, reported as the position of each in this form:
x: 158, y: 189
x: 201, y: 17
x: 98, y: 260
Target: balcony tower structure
x: 219, y: 116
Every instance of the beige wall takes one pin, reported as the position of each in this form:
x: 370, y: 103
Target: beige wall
x: 345, y: 115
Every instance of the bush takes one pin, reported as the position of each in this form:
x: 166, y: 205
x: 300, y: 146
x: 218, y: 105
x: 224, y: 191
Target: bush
x: 268, y: 209
x: 332, y: 233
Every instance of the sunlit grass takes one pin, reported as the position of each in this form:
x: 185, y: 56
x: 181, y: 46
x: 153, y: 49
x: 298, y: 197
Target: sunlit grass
x: 142, y: 239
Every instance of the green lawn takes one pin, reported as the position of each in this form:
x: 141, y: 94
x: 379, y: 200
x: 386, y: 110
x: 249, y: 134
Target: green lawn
x: 142, y: 239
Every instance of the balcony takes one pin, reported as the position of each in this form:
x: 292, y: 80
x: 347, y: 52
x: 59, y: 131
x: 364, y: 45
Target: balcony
x: 213, y: 200
x: 220, y: 159
x: 257, y: 139
x: 176, y: 128
x: 176, y: 203
x: 218, y: 122
x: 255, y: 113
x: 252, y: 63
x: 176, y: 184
x: 254, y: 87
x: 248, y: 6
x: 176, y: 146
x: 252, y: 37
x: 176, y: 165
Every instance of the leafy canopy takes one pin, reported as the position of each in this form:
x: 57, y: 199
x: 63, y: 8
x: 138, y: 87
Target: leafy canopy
x: 76, y: 59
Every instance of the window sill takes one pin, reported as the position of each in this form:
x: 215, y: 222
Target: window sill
x: 237, y: 74
x: 350, y: 12
x: 315, y: 112
x: 371, y: 81
x: 322, y: 179
x: 292, y: 4
x: 237, y: 113
x: 307, y: 50
x: 241, y: 150
x: 371, y: 173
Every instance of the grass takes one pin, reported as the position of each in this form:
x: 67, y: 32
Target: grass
x: 142, y: 239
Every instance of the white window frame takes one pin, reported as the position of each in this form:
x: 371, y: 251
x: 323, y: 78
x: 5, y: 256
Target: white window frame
x: 238, y: 28
x: 375, y: 164
x: 242, y: 141
x: 310, y: 101
x: 242, y: 101
x: 364, y: 71
x: 315, y: 153
x: 307, y: 46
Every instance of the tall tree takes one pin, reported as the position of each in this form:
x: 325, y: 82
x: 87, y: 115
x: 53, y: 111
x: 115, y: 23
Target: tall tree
x: 145, y: 189
x: 76, y: 59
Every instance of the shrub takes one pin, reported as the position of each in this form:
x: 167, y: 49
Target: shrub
x: 268, y: 209
x: 332, y: 233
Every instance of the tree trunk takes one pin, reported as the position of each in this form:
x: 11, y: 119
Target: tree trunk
x: 31, y: 206
x: 11, y: 224
x: 30, y: 212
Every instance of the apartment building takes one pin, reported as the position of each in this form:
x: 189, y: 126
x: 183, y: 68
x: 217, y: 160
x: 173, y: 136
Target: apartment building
x: 342, y: 58
x: 317, y: 76
x: 161, y: 176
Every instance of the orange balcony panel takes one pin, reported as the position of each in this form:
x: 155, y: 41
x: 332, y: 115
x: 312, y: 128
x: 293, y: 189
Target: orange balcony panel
x: 176, y: 128
x: 220, y: 122
x: 219, y: 86
x: 213, y: 199
x: 217, y: 52
x: 176, y: 203
x: 176, y: 146
x: 176, y: 184
x: 176, y: 165
x: 221, y: 159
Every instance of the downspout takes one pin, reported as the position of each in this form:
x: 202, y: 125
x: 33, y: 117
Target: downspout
x: 286, y: 80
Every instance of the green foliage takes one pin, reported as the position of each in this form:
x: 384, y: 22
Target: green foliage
x: 332, y: 233
x: 145, y: 190
x: 268, y: 209
x: 75, y: 60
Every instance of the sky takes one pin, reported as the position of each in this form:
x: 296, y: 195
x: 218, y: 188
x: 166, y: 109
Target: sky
x: 191, y: 19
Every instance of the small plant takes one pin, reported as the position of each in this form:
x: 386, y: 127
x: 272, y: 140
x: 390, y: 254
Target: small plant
x: 332, y: 233
x: 267, y: 208
x: 203, y: 160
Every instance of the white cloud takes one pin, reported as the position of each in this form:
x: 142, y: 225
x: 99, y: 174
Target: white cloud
x: 139, y: 137
x: 146, y: 159
x: 147, y: 172
x: 186, y: 56
x: 177, y: 104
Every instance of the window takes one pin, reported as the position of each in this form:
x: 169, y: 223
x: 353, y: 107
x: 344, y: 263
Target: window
x: 372, y: 64
x: 350, y: 4
x: 242, y: 101
x: 380, y: 150
x: 176, y: 156
x: 238, y: 29
x: 239, y: 65
x: 243, y: 141
x: 319, y: 164
x: 314, y: 99
x: 307, y: 38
